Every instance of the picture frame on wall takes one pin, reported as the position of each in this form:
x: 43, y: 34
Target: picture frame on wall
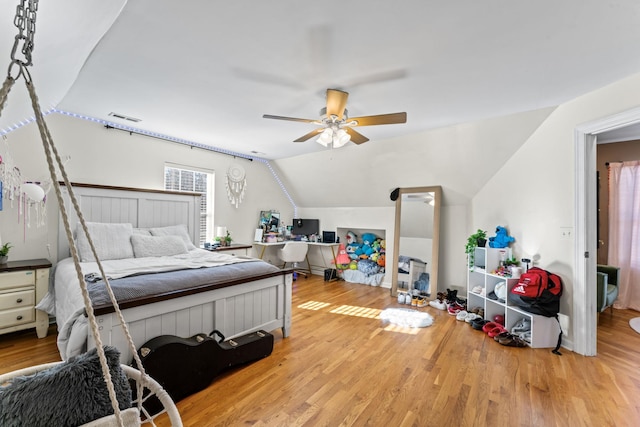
x: 269, y: 221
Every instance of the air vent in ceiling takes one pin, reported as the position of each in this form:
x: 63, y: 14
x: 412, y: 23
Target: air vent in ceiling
x: 123, y: 117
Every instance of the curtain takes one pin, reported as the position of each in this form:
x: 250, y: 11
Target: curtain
x: 624, y: 230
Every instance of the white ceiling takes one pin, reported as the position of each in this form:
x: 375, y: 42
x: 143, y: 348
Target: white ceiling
x: 206, y: 71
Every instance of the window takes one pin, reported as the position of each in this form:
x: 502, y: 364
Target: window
x: 184, y: 178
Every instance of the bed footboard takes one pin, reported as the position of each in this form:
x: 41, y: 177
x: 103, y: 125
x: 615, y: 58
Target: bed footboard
x: 234, y: 310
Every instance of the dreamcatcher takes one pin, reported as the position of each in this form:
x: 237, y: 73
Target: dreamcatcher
x: 30, y: 195
x: 236, y: 184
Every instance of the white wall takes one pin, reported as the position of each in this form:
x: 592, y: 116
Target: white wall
x: 110, y: 157
x: 539, y: 184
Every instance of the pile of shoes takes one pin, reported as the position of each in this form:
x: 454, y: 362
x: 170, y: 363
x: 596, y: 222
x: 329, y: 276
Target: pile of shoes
x: 471, y: 315
x: 522, y: 329
x: 439, y: 302
x: 413, y: 299
x: 520, y: 335
x: 454, y: 304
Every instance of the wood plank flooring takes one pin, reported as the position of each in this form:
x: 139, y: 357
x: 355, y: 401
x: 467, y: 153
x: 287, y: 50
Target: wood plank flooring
x: 342, y: 366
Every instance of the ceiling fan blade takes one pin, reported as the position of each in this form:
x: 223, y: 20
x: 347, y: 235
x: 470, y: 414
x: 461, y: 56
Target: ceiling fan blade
x: 356, y: 137
x: 293, y: 119
x: 378, y: 77
x: 311, y: 134
x: 336, y: 102
x: 262, y: 77
x: 382, y: 119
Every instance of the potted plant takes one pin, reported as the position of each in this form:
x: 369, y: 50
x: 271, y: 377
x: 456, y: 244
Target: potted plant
x: 477, y: 239
x: 511, y: 264
x: 225, y: 240
x: 4, y: 252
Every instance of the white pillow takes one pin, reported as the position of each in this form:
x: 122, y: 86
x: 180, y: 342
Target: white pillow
x: 175, y: 230
x: 145, y: 246
x: 112, y: 241
x: 142, y: 231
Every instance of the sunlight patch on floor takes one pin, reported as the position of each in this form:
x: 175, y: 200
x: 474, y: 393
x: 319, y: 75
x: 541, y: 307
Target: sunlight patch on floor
x: 402, y: 329
x: 350, y: 310
x: 314, y: 305
x: 357, y: 311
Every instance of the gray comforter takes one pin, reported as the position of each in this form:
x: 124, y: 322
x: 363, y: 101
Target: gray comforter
x: 146, y: 284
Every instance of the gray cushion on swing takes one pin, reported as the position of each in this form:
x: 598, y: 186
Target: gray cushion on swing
x: 69, y: 394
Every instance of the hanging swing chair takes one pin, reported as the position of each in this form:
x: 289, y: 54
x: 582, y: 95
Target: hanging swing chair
x: 114, y: 375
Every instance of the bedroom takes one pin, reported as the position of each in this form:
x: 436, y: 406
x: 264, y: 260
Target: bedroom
x: 473, y: 196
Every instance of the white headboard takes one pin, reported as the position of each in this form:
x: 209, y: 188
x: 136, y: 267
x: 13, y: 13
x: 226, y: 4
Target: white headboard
x: 141, y: 208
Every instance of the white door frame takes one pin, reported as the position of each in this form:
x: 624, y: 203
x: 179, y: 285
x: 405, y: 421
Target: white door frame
x: 586, y: 245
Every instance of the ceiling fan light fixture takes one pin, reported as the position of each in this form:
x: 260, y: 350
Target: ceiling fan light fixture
x: 326, y: 137
x: 341, y: 138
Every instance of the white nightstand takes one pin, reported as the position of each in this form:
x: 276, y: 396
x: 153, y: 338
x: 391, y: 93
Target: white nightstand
x: 22, y: 285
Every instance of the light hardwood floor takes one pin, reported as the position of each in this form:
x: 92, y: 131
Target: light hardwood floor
x: 342, y: 366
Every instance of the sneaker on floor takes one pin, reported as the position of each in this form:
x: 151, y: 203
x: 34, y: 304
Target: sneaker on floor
x: 436, y: 303
x: 471, y: 317
x: 462, y: 314
x: 454, y: 308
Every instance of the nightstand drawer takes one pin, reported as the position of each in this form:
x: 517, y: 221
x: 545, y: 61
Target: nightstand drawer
x: 17, y: 279
x: 17, y: 316
x: 17, y: 299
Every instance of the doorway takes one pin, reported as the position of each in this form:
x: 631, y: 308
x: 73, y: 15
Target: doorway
x: 585, y: 139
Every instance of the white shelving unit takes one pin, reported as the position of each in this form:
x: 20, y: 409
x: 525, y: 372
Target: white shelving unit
x: 544, y: 330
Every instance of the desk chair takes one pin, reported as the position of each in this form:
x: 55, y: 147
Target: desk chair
x: 295, y: 252
x: 607, y: 280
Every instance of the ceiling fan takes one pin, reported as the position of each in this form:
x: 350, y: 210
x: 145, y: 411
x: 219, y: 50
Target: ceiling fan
x: 337, y: 126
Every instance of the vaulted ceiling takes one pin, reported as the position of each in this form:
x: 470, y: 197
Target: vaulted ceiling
x: 206, y: 71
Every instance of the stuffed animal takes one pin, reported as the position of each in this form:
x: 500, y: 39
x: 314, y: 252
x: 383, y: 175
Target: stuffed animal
x: 342, y: 258
x: 368, y: 239
x: 381, y: 260
x: 368, y: 267
x: 351, y: 237
x: 354, y: 250
x: 366, y: 250
x: 501, y: 239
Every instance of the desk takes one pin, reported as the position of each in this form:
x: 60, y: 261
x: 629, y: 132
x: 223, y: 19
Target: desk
x: 261, y: 247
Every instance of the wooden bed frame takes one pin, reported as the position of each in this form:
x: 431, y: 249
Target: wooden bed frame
x: 234, y: 308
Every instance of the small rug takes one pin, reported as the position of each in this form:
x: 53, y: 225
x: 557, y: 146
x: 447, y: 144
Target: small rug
x: 407, y: 317
x: 635, y: 324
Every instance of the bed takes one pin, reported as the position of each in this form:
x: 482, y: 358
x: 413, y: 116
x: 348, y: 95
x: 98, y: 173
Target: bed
x: 235, y: 295
x: 410, y: 271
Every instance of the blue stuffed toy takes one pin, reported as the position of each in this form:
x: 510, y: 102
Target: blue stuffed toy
x: 501, y: 239
x: 368, y: 239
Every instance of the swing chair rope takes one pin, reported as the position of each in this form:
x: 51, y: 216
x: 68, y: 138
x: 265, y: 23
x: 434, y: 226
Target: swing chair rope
x: 49, y: 148
x: 4, y: 92
x: 25, y: 19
